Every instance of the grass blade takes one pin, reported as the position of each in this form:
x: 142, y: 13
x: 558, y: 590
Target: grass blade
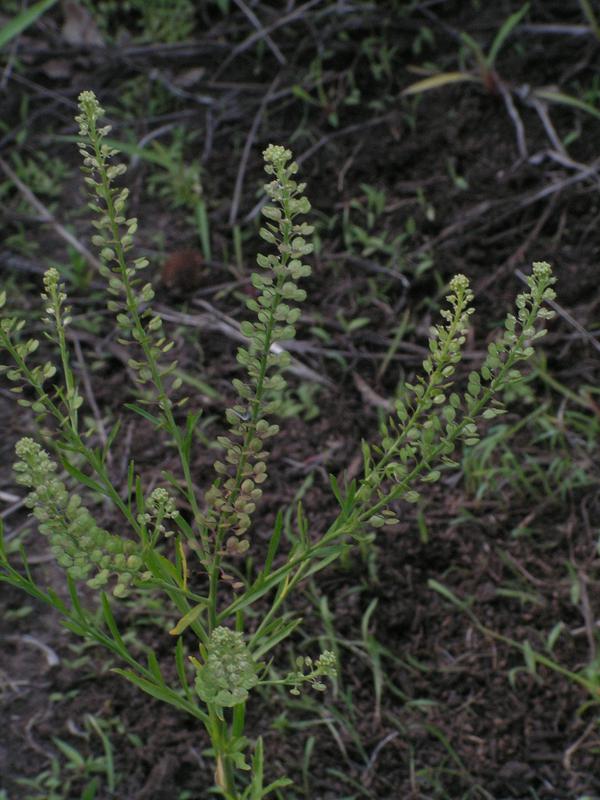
x: 503, y: 34
x: 439, y: 80
x: 23, y: 20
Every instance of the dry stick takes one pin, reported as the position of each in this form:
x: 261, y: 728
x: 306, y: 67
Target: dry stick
x: 572, y: 749
x: 48, y: 217
x: 555, y: 30
x: 541, y: 109
x: 201, y: 99
x: 255, y: 37
x: 588, y: 615
x: 317, y: 146
x: 39, y: 89
x: 479, y: 210
x: 149, y: 137
x: 239, y: 181
x: 520, y: 252
x: 566, y: 316
x: 515, y: 117
x: 216, y: 320
x: 260, y: 28
x: 89, y: 393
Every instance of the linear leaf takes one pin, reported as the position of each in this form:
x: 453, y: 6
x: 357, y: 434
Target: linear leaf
x: 23, y: 20
x: 441, y: 79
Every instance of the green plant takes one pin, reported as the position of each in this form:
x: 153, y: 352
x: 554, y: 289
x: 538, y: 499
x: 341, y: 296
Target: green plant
x: 589, y: 14
x: 588, y: 677
x: 153, y: 20
x: 175, y: 181
x: 485, y: 63
x: 215, y: 603
x: 181, y: 184
x: 485, y: 74
x: 61, y: 779
x: 23, y: 20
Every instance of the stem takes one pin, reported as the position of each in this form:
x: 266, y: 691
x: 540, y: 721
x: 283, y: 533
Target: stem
x: 224, y: 769
x: 435, y: 383
x: 473, y: 411
x: 143, y: 339
x: 255, y: 413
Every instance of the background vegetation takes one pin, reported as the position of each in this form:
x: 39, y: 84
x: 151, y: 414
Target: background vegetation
x: 436, y: 137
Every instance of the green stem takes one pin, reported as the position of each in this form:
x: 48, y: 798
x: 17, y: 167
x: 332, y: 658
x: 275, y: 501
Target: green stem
x: 255, y: 413
x: 472, y: 412
x: 143, y: 339
x: 434, y: 383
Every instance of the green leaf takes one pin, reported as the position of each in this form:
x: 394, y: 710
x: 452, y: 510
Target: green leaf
x: 75, y: 599
x: 439, y: 80
x: 151, y: 155
x: 273, y: 543
x: 74, y: 757
x: 110, y: 439
x: 89, y: 792
x: 476, y: 50
x: 503, y: 34
x: 445, y: 592
x: 145, y: 414
x: 567, y: 100
x: 23, y: 20
x: 268, y: 642
x: 530, y: 657
x: 257, y: 770
x: 190, y: 425
x: 154, y: 668
x: 110, y: 621
x: 164, y: 694
x: 180, y: 664
x: 81, y: 477
x: 336, y: 489
x: 187, y: 619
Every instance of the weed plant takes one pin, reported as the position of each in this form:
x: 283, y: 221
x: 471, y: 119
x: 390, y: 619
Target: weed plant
x: 232, y: 618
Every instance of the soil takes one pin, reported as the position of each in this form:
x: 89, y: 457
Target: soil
x: 428, y: 704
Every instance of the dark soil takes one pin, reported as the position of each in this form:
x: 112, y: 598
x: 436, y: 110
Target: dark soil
x: 428, y: 704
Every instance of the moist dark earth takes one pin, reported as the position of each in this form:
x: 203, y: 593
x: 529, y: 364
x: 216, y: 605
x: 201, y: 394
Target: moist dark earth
x: 481, y: 177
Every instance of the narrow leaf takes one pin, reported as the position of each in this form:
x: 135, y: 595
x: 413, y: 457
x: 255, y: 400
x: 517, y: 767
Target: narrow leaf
x: 503, y: 34
x: 273, y: 543
x: 439, y: 80
x: 23, y: 20
x: 187, y: 619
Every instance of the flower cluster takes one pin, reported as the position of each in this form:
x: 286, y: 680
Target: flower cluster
x: 57, y: 319
x: 114, y: 238
x: 160, y: 506
x: 309, y: 671
x: 232, y: 499
x: 20, y: 373
x: 228, y: 671
x: 435, y: 418
x: 76, y: 541
x: 498, y: 371
x: 412, y: 432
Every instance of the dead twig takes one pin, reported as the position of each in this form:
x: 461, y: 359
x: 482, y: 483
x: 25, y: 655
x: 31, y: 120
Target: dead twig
x: 89, y: 393
x: 47, y: 216
x: 515, y: 117
x: 260, y: 28
x: 217, y: 321
x: 239, y: 181
x: 263, y: 32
